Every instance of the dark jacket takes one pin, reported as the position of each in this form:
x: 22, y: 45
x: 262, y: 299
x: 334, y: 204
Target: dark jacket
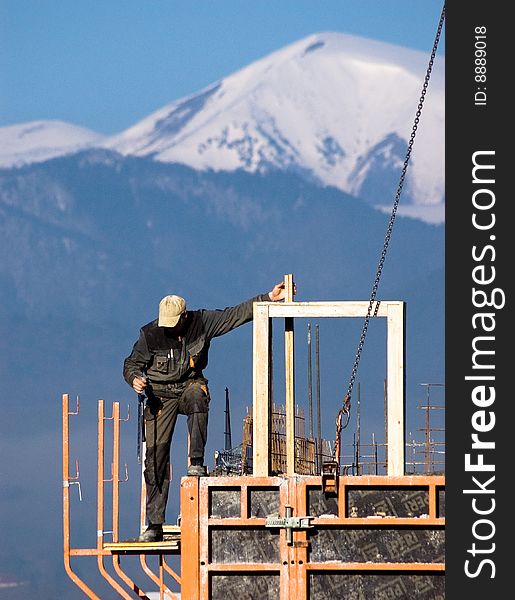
x: 166, y: 360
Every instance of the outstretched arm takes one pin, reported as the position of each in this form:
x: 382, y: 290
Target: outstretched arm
x: 219, y: 322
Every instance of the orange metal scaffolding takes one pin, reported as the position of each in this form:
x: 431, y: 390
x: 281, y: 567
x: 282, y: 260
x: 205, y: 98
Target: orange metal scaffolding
x: 293, y: 558
x: 119, y: 580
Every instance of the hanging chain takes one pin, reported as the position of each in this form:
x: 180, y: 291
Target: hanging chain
x: 345, y: 410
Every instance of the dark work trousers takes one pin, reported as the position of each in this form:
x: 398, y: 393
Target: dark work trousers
x: 191, y: 399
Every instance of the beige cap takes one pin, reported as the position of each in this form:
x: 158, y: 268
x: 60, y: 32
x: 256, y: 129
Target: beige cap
x: 170, y: 311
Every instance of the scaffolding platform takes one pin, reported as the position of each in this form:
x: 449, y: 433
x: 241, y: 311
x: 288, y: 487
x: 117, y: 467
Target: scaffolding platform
x: 166, y: 547
x: 171, y: 543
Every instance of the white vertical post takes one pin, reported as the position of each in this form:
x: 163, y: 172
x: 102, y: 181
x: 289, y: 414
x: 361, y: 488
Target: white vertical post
x: 261, y: 392
x: 395, y: 388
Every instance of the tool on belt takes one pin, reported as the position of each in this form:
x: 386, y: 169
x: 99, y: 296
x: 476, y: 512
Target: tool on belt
x: 141, y: 424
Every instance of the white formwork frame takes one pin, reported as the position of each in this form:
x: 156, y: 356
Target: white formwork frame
x: 393, y: 311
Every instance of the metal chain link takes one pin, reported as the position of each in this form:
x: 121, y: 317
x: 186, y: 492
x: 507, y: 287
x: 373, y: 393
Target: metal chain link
x: 346, y: 402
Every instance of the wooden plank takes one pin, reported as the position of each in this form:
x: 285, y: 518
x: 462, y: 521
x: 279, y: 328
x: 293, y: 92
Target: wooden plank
x: 88, y: 552
x: 288, y: 288
x: 289, y: 376
x: 139, y: 547
x: 261, y: 391
x: 395, y: 388
x: 324, y: 309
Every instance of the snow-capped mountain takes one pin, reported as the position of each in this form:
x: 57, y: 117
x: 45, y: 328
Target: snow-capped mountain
x: 334, y: 108
x: 37, y: 141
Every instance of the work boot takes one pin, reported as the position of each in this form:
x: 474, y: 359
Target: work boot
x: 153, y: 533
x: 197, y: 471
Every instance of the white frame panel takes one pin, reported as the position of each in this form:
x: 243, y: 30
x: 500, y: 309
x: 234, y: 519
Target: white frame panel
x: 393, y: 311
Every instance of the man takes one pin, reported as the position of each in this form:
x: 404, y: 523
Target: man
x: 167, y: 363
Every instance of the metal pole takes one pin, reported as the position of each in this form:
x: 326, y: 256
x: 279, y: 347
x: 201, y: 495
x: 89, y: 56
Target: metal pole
x: 66, y: 503
x: 116, y: 468
x: 310, y: 385
x: 100, y: 506
x: 375, y: 454
x: 227, y: 434
x: 319, y: 426
x: 358, y: 430
x: 385, y: 396
x: 354, y: 455
x: 116, y: 481
x: 427, y: 434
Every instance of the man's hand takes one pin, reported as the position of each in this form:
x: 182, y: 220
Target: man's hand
x: 139, y: 384
x: 278, y: 292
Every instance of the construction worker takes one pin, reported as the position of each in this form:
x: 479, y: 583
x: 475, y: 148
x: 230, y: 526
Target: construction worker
x: 167, y: 363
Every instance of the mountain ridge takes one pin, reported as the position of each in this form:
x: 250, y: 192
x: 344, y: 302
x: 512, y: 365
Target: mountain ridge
x: 334, y: 108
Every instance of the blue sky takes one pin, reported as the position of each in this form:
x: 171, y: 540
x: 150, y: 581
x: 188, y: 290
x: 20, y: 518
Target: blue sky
x: 104, y: 64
